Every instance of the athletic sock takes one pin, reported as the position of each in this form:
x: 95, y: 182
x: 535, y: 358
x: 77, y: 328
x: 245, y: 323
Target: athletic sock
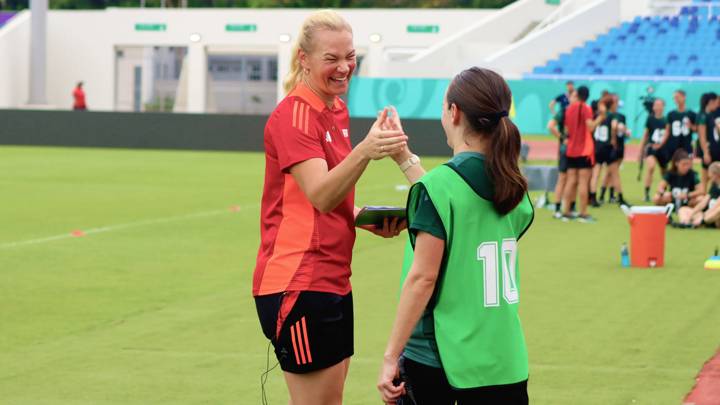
x: 612, y: 192
x: 572, y: 206
x: 557, y: 206
x: 592, y: 199
x: 647, y: 193
x: 602, y: 193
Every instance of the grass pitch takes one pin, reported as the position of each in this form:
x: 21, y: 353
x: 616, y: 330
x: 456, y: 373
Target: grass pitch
x: 153, y: 305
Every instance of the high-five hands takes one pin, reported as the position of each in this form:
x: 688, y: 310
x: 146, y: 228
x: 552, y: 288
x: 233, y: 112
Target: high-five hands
x: 382, y: 140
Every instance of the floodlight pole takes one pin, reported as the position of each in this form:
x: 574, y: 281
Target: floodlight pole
x: 38, y: 53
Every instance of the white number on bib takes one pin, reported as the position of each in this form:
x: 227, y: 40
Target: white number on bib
x: 488, y: 254
x: 657, y: 135
x: 681, y: 127
x: 602, y: 134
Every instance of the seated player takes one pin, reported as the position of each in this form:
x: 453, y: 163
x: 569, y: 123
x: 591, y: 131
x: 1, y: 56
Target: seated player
x: 708, y: 209
x: 680, y: 186
x: 708, y: 135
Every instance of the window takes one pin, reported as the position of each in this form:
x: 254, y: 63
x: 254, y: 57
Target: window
x: 254, y: 70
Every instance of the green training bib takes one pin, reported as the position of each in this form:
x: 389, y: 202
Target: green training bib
x: 477, y: 327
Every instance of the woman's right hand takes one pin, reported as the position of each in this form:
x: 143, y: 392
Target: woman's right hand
x: 381, y: 141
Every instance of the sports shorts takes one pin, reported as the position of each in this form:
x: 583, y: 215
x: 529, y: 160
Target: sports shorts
x: 309, y: 330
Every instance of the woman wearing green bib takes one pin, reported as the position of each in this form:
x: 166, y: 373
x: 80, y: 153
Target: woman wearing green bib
x: 457, y: 337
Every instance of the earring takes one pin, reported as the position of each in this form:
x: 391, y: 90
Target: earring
x: 306, y: 71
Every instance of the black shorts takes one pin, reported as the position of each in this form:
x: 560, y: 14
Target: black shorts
x: 427, y: 385
x: 582, y: 162
x: 660, y: 155
x: 603, y: 154
x: 618, y: 154
x: 314, y: 330
x: 562, y: 159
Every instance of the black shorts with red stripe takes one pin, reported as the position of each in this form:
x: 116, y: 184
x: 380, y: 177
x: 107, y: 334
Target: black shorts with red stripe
x: 310, y: 330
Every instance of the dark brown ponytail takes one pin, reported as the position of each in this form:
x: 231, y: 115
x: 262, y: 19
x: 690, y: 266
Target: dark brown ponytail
x: 484, y: 98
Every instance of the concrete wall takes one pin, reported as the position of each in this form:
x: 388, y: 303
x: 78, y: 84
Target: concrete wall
x: 81, y: 44
x: 175, y: 131
x: 15, y: 61
x: 539, y: 47
x: 470, y: 45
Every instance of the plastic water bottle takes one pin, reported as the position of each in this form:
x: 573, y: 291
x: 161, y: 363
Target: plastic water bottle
x: 624, y: 255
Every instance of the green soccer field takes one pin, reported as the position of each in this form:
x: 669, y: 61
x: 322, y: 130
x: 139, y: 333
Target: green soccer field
x: 153, y: 304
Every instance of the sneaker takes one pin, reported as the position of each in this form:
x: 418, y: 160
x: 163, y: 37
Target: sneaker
x: 595, y: 204
x: 646, y: 199
x: 586, y: 219
x: 557, y: 215
x: 612, y: 200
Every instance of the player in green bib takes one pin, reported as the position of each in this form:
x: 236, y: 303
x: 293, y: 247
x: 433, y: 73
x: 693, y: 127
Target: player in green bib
x: 457, y: 336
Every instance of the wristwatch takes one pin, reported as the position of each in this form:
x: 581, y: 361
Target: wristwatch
x: 412, y: 161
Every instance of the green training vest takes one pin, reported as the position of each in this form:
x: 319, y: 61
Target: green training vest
x: 477, y: 327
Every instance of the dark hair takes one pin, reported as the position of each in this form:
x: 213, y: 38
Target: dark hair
x: 679, y: 155
x: 484, y: 98
x: 569, y: 82
x: 583, y: 93
x: 608, y: 100
x: 705, y: 99
x: 680, y: 91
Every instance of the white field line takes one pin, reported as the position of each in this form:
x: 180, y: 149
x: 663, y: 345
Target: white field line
x: 110, y: 228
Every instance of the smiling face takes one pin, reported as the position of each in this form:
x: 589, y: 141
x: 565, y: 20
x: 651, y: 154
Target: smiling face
x: 330, y: 63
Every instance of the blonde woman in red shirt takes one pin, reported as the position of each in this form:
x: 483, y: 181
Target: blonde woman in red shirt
x: 301, y: 281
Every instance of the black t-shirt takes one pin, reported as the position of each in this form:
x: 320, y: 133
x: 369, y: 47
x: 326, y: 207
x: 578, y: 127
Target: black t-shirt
x: 621, y: 129
x: 656, y: 129
x: 560, y: 121
x: 602, y: 131
x: 714, y: 191
x: 680, y: 130
x: 712, y: 120
x: 563, y: 100
x: 681, y: 184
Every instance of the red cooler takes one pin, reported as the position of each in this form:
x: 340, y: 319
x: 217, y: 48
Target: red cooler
x: 647, y: 234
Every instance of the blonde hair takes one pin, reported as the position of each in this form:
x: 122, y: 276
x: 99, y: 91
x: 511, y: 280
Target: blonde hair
x: 319, y: 20
x: 714, y: 168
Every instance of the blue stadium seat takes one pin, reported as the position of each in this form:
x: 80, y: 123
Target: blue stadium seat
x: 687, y: 44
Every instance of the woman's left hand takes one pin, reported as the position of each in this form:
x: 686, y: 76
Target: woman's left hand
x: 390, y: 229
x: 389, y: 392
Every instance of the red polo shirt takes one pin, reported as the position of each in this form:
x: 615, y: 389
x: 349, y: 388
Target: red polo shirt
x: 302, y: 249
x: 580, y: 141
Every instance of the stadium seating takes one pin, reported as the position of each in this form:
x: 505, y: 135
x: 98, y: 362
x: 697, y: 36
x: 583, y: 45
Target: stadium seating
x: 5, y: 17
x: 687, y: 44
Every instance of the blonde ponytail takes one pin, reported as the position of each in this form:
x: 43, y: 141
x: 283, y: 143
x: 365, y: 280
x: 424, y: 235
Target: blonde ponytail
x: 319, y: 20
